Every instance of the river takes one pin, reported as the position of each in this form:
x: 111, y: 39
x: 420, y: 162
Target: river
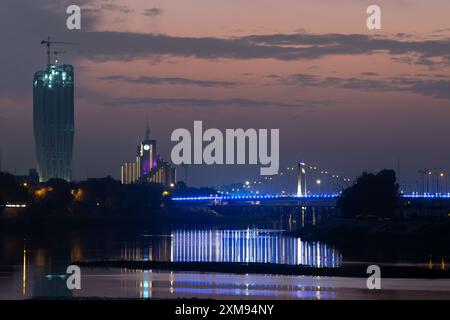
x: 35, y: 266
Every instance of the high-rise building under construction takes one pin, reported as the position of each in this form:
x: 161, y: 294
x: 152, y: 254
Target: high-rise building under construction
x: 53, y: 103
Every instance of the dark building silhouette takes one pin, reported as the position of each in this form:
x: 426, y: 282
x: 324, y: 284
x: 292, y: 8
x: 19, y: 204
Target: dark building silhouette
x: 31, y: 178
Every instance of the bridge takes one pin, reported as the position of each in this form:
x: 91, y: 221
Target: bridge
x: 409, y: 205
x: 307, y: 200
x: 308, y: 194
x: 313, y: 182
x: 327, y: 200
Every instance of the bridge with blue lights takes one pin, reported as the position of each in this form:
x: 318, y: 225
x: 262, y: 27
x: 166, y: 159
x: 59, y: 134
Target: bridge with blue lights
x: 328, y: 200
x: 315, y: 200
x: 309, y: 181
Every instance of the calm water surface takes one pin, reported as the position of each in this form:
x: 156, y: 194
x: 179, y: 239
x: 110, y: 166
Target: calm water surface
x: 35, y: 267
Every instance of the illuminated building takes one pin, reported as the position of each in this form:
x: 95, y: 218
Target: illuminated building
x: 163, y: 173
x: 130, y: 172
x: 148, y: 166
x: 146, y: 154
x: 53, y: 103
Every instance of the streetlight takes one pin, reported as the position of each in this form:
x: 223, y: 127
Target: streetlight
x: 318, y: 184
x: 428, y: 181
x: 441, y: 175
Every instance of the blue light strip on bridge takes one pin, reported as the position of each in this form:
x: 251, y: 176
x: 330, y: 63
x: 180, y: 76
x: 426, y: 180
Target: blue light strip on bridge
x: 256, y: 197
x: 287, y: 197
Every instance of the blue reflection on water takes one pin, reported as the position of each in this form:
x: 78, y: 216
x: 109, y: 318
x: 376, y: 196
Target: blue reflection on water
x: 250, y: 246
x: 236, y: 246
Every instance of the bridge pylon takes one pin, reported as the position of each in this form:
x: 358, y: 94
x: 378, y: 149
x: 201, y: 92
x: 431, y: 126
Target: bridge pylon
x: 301, y: 183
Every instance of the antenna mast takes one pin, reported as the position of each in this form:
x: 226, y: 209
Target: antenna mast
x: 147, y: 131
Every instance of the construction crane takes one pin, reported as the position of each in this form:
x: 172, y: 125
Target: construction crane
x: 49, y: 43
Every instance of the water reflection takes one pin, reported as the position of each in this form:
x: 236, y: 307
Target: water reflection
x: 163, y: 284
x: 36, y: 267
x: 238, y: 246
x: 40, y: 266
x: 24, y: 272
x: 249, y: 246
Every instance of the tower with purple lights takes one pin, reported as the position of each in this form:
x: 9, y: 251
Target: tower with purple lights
x: 147, y: 153
x: 148, y: 166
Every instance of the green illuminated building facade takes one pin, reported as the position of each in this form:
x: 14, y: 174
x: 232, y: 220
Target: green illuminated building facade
x: 53, y: 103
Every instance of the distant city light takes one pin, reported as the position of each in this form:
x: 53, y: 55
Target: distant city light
x: 14, y: 205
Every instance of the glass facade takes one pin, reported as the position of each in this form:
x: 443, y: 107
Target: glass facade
x: 53, y: 103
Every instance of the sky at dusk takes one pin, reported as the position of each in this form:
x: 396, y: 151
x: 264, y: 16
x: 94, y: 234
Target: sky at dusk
x: 344, y: 98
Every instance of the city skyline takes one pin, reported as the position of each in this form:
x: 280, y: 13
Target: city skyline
x: 343, y: 97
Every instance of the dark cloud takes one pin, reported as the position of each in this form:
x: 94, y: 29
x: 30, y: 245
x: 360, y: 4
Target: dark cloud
x: 369, y: 73
x: 102, y: 46
x: 356, y: 83
x: 153, y: 12
x: 115, y: 7
x: 403, y: 35
x: 427, y: 87
x: 169, y: 80
x: 305, y: 79
x: 239, y: 102
x: 329, y: 44
x: 433, y: 88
